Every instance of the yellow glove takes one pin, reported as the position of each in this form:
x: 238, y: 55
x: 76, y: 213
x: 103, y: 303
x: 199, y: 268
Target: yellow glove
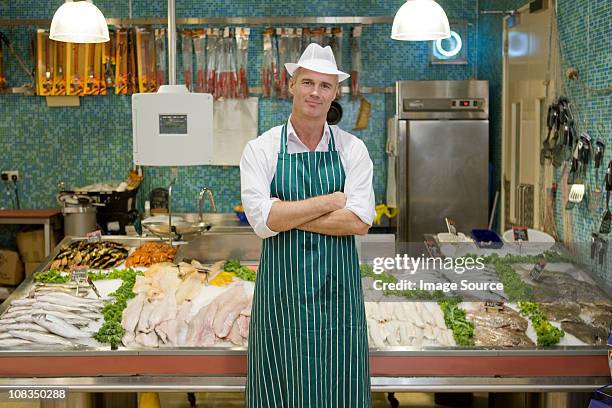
x: 382, y: 209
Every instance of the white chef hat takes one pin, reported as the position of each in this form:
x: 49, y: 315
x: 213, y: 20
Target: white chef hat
x: 318, y: 59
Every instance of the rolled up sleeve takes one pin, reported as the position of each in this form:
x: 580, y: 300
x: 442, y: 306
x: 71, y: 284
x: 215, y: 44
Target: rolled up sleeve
x: 255, y: 190
x: 358, y: 186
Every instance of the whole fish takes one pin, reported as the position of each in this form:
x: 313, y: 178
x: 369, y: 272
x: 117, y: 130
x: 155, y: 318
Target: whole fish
x: 23, y: 326
x: 68, y: 299
x: 63, y: 308
x: 37, y: 291
x: 40, y: 338
x: 13, y: 342
x: 4, y: 321
x: 14, y: 314
x: 17, y: 308
x: 22, y: 302
x: 59, y: 327
x: 71, y: 317
x: 26, y: 318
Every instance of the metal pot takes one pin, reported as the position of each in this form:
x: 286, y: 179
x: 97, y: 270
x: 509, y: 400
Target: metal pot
x: 79, y: 215
x: 78, y: 221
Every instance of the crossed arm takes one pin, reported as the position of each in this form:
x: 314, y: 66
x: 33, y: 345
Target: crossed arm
x: 322, y: 214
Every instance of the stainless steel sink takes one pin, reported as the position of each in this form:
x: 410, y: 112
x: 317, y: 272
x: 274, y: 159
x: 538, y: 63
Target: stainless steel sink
x: 222, y: 243
x: 217, y: 220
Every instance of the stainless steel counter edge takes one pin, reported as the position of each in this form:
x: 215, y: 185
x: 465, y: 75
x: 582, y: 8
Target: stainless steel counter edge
x: 237, y: 384
x: 390, y: 352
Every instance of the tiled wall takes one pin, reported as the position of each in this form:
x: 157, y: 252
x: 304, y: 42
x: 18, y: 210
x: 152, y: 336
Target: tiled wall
x: 585, y: 45
x: 93, y: 143
x: 584, y: 31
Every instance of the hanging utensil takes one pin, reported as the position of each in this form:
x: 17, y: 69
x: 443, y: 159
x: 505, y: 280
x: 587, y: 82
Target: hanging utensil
x: 267, y: 62
x: 2, y: 76
x: 355, y: 61
x: 242, y: 45
x: 606, y: 220
x: 274, y: 68
x: 232, y: 72
x: 160, y: 57
x: 98, y: 66
x: 551, y: 123
x: 121, y: 70
x: 336, y: 45
x: 187, y: 53
x: 577, y: 190
x: 596, y: 194
x: 88, y: 69
x: 59, y: 81
x: 132, y: 67
x: 212, y: 43
x: 283, y: 57
x: 199, y: 48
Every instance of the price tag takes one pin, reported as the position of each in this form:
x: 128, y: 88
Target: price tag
x: 432, y: 246
x: 79, y: 275
x: 94, y: 236
x: 492, y: 305
x: 520, y: 234
x: 537, y: 270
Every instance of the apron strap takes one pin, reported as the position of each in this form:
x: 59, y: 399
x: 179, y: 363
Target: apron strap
x: 331, y: 146
x: 283, y: 141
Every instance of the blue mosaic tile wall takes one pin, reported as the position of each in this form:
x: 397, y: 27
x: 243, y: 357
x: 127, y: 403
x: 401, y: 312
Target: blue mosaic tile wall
x: 584, y: 31
x: 585, y: 45
x: 93, y: 143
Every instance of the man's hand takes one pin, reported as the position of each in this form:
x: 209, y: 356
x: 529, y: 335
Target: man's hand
x: 337, y: 200
x: 287, y: 215
x: 339, y: 222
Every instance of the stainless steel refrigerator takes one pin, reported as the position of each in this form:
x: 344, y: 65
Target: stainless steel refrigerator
x: 443, y: 156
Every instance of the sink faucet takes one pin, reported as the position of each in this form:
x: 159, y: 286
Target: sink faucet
x: 211, y: 199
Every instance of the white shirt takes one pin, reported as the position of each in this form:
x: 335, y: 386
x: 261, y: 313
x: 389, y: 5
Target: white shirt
x: 258, y: 165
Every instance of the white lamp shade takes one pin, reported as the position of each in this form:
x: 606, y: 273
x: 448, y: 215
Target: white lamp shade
x: 420, y: 20
x: 79, y: 22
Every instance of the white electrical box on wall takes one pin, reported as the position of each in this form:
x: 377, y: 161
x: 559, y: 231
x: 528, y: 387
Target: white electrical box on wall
x: 172, y: 127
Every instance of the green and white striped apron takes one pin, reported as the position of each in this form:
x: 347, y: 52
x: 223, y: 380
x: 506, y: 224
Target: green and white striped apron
x: 308, y: 336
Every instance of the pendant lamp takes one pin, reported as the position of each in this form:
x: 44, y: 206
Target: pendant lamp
x: 79, y: 22
x: 420, y: 20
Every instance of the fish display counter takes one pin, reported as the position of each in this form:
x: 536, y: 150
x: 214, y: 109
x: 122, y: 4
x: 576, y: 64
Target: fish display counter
x: 131, y: 313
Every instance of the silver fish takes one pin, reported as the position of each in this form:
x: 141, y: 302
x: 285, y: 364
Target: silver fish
x: 68, y: 299
x: 23, y: 326
x: 59, y: 327
x: 40, y: 338
x: 26, y: 318
x: 71, y: 317
x: 14, y: 314
x: 22, y: 302
x: 63, y: 308
x: 13, y: 342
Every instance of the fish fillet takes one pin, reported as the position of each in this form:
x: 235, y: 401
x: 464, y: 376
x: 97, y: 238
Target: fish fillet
x: 231, y: 303
x: 131, y: 314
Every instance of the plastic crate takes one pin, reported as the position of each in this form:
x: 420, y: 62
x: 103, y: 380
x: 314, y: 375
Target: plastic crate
x: 485, y: 238
x: 602, y: 398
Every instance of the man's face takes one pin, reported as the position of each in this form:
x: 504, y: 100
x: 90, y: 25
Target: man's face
x: 313, y: 92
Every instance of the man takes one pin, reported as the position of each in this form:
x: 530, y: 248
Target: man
x: 307, y: 190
